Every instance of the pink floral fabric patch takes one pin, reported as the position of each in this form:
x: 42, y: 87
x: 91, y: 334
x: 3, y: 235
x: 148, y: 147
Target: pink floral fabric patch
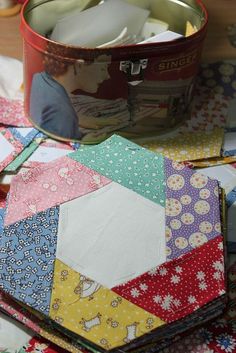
x: 53, y: 184
x: 12, y: 113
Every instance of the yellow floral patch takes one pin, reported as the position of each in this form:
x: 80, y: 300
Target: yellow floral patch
x: 59, y: 340
x: 94, y: 312
x: 189, y: 146
x: 213, y: 161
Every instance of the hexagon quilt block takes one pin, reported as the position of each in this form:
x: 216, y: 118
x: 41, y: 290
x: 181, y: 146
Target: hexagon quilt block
x: 120, y: 246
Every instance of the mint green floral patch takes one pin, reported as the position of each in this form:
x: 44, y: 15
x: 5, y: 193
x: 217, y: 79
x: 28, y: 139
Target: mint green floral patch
x: 127, y: 164
x: 22, y: 157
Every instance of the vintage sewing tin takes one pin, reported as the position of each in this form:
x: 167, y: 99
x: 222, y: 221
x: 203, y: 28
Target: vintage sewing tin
x: 86, y: 94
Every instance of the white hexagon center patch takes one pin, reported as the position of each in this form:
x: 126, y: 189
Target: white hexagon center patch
x: 111, y: 235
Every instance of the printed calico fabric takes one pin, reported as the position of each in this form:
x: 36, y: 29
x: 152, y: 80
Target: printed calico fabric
x: 13, y: 141
x: 66, y: 225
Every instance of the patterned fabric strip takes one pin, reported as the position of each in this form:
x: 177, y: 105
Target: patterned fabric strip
x: 23, y: 156
x: 15, y: 147
x: 15, y: 310
x: 24, y: 135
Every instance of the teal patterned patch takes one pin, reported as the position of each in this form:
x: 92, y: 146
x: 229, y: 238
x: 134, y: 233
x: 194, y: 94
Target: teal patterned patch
x: 127, y: 164
x: 22, y: 157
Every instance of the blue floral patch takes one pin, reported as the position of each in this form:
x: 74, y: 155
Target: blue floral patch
x: 226, y: 342
x: 2, y: 211
x: 27, y: 255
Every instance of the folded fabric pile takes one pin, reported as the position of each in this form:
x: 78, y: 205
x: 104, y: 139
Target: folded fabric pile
x: 159, y: 224
x: 218, y: 336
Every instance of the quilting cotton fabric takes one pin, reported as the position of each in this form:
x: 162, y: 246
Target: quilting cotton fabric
x: 10, y: 147
x: 124, y: 226
x: 27, y: 259
x: 49, y: 185
x: 12, y: 113
x: 77, y: 304
x: 219, y: 77
x: 165, y: 291
x: 127, y: 164
x: 189, y: 146
x: 192, y: 209
x: 12, y: 335
x: 23, y: 156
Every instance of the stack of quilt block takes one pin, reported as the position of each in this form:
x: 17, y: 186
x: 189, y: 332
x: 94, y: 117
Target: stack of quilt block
x: 117, y: 247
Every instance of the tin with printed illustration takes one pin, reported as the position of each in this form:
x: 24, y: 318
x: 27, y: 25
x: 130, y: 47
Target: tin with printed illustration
x: 87, y: 94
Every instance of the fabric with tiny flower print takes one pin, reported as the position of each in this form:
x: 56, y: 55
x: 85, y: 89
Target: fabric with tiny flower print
x: 136, y: 314
x: 12, y: 113
x: 129, y: 165
x: 219, y: 335
x: 15, y: 310
x: 27, y: 258
x: 189, y: 146
x: 165, y: 291
x: 49, y: 185
x: 209, y: 113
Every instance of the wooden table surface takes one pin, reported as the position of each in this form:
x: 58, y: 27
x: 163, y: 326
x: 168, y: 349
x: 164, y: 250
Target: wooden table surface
x: 221, y: 14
